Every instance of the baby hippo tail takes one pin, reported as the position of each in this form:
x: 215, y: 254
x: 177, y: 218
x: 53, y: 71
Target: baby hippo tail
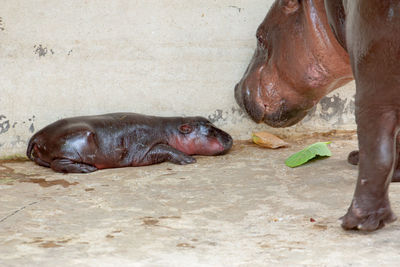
x: 31, y: 143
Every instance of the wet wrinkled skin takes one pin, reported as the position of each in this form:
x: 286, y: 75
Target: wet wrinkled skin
x: 86, y: 144
x: 304, y: 51
x: 297, y: 62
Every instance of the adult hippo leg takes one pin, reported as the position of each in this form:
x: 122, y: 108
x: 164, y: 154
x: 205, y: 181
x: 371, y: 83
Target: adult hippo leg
x: 162, y: 152
x: 353, y: 159
x: 370, y: 208
x: 374, y: 58
x: 67, y: 165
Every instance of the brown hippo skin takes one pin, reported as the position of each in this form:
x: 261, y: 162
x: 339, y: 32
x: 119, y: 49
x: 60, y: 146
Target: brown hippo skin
x: 88, y: 143
x: 307, y: 49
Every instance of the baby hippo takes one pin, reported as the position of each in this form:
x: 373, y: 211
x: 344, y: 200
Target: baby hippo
x: 88, y: 143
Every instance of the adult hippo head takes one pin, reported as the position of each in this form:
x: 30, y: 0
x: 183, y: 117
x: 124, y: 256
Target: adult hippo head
x: 298, y: 60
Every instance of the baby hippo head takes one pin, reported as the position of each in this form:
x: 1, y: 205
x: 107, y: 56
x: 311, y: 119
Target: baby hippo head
x: 198, y: 136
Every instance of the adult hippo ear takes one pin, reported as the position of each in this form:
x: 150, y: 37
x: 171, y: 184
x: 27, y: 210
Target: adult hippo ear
x: 290, y: 5
x: 185, y: 128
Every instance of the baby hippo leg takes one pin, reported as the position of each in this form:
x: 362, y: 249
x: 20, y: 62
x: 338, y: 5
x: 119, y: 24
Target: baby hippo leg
x: 67, y: 165
x: 38, y: 160
x: 163, y: 152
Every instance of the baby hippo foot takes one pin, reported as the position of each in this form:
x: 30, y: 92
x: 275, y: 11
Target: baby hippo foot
x: 368, y: 216
x: 182, y: 159
x: 69, y: 166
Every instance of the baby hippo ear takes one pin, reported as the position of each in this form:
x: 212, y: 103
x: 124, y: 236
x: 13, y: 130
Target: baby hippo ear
x: 185, y: 128
x: 290, y: 6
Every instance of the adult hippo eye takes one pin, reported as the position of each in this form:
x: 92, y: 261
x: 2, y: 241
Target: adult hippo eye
x: 185, y: 128
x: 261, y: 40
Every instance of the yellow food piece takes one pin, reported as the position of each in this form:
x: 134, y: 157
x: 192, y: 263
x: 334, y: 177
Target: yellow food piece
x: 268, y: 140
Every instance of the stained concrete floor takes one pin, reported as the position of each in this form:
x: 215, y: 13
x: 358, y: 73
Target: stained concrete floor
x: 242, y: 209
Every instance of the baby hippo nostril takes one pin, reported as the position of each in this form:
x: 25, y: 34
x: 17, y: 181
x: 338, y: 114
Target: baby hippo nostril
x: 229, y: 142
x: 226, y: 142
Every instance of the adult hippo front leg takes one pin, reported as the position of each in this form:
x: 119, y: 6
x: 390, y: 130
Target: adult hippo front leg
x: 353, y: 159
x: 370, y: 208
x: 374, y: 57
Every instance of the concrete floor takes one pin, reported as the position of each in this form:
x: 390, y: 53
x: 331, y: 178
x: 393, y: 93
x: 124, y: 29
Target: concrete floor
x: 242, y: 209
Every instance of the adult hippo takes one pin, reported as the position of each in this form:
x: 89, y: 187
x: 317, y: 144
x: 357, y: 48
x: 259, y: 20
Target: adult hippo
x: 308, y: 48
x: 86, y: 144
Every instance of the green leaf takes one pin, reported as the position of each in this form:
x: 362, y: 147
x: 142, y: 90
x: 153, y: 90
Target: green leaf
x: 307, y: 154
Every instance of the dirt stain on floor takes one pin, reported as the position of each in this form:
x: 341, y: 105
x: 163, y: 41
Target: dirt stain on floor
x: 169, y: 217
x: 44, y: 183
x: 48, y: 243
x: 150, y: 221
x: 185, y: 245
x: 8, y: 175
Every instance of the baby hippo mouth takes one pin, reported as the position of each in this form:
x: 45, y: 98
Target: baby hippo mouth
x: 221, y: 144
x: 215, y: 143
x: 202, y: 139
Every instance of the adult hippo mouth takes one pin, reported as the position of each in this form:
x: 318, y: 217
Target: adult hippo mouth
x: 272, y: 110
x: 298, y: 60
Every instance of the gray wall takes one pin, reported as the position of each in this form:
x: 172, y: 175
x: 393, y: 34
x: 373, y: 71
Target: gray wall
x: 160, y: 57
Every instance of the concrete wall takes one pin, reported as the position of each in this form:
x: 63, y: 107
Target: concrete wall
x: 160, y: 57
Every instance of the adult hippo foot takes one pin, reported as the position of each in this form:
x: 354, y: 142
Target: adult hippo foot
x: 368, y: 216
x: 353, y: 157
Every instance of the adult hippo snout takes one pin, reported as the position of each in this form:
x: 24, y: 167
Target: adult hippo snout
x: 259, y: 111
x: 297, y: 61
x: 264, y: 98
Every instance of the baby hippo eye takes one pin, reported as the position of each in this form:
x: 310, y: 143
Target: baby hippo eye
x: 185, y: 128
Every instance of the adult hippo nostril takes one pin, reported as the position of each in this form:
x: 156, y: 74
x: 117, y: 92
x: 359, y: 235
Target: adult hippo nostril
x: 255, y: 110
x: 238, y: 95
x: 251, y: 103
